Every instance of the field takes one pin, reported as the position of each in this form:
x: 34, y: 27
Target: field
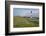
x: 25, y: 22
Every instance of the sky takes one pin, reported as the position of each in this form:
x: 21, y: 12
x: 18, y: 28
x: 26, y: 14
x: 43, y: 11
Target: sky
x: 25, y: 12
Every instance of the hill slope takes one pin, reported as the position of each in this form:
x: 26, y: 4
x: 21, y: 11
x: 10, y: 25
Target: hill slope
x: 25, y: 22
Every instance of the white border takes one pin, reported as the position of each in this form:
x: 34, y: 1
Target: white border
x: 27, y: 28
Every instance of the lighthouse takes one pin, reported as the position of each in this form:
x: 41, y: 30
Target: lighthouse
x: 31, y: 14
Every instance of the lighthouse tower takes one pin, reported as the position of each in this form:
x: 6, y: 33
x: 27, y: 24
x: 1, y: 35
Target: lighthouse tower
x: 31, y: 14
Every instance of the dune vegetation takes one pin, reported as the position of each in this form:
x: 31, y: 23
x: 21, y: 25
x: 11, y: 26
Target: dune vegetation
x: 25, y: 22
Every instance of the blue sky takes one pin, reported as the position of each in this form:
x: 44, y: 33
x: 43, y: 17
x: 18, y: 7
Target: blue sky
x: 25, y: 11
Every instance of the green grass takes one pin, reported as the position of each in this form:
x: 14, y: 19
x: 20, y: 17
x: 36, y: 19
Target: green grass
x: 25, y: 22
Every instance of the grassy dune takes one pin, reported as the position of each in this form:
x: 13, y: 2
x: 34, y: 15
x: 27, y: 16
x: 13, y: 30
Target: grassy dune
x: 25, y: 22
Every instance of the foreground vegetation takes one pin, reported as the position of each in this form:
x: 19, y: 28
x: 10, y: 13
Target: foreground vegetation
x: 25, y: 22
